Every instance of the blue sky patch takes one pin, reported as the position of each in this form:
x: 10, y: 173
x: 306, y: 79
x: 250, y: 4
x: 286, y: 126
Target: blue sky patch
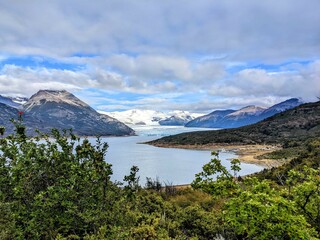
x: 40, y: 62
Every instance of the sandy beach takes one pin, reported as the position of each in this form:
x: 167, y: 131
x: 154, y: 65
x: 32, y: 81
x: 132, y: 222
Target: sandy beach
x: 245, y: 153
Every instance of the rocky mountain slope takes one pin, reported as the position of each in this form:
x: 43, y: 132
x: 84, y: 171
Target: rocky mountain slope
x: 242, y: 117
x: 60, y: 109
x: 299, y: 123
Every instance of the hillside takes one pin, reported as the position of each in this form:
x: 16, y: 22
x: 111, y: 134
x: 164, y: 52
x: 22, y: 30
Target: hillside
x: 299, y: 123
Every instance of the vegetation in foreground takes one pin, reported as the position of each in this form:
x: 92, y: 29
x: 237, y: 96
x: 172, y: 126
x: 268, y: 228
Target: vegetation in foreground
x: 60, y: 188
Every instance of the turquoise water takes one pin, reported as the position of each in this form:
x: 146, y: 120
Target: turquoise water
x: 174, y: 166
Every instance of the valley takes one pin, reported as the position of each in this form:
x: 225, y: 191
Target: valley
x: 160, y: 120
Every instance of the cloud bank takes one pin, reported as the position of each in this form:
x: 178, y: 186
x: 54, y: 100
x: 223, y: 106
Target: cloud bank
x: 190, y: 55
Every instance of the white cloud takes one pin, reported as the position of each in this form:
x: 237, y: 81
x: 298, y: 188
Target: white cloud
x: 234, y: 90
x: 152, y: 66
x: 269, y: 30
x: 164, y: 47
x: 303, y: 82
x: 26, y: 80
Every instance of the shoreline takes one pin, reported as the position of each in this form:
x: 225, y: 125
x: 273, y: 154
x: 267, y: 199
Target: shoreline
x: 245, y: 153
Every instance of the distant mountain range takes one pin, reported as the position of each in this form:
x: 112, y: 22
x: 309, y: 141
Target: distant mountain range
x: 60, y: 109
x: 49, y: 109
x: 137, y: 116
x: 150, y: 117
x: 178, y: 118
x: 242, y: 117
x: 217, y: 119
x: 296, y: 124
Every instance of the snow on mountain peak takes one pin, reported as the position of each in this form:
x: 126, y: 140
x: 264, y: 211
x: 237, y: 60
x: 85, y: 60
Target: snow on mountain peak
x: 148, y: 117
x: 137, y: 116
x: 184, y: 114
x: 58, y: 96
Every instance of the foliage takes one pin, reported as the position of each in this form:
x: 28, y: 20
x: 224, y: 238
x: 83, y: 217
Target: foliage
x: 59, y: 187
x: 51, y: 183
x: 216, y: 179
x: 153, y: 184
x: 2, y: 130
x: 265, y: 214
x: 133, y: 181
x: 254, y: 209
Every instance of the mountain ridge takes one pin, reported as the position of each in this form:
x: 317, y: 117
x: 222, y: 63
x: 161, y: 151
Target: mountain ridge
x: 299, y: 123
x: 245, y: 116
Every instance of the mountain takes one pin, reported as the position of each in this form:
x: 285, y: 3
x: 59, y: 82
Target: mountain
x: 62, y: 110
x: 137, y: 116
x: 178, y: 118
x: 242, y: 117
x: 15, y: 102
x: 299, y: 123
x: 280, y: 107
x: 210, y: 120
x: 150, y: 117
x: 228, y: 118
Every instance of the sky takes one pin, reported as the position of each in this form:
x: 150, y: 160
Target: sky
x: 166, y: 55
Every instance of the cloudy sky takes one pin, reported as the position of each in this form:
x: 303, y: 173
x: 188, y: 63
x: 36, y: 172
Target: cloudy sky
x: 163, y: 55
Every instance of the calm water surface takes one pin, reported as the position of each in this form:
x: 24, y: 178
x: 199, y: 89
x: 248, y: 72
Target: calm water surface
x: 174, y: 166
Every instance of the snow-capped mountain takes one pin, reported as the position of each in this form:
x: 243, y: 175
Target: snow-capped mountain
x: 178, y: 118
x: 15, y: 102
x: 137, y: 116
x: 244, y: 116
x: 62, y: 110
x: 151, y: 117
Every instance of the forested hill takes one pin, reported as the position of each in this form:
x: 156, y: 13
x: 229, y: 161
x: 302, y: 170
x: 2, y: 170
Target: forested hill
x: 298, y: 123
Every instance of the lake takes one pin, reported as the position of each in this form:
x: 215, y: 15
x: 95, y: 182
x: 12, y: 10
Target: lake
x: 174, y: 166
